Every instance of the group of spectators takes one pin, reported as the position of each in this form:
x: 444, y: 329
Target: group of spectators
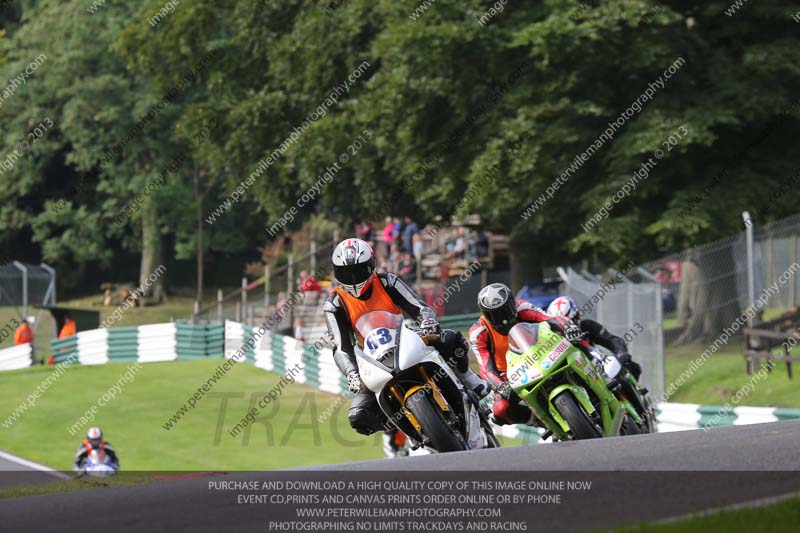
x: 398, y: 246
x: 461, y: 242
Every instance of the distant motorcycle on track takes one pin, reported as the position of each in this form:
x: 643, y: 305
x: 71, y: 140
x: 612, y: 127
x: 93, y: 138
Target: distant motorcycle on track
x: 98, y: 464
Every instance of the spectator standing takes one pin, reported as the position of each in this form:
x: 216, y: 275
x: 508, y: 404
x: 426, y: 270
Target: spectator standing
x: 397, y: 232
x: 310, y: 284
x: 407, y: 268
x: 480, y: 245
x: 394, y: 258
x: 460, y: 246
x: 418, y: 247
x: 411, y: 229
x: 388, y: 229
x: 364, y: 230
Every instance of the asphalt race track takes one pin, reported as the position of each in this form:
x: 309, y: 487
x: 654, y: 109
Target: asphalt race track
x: 16, y: 471
x: 634, y: 479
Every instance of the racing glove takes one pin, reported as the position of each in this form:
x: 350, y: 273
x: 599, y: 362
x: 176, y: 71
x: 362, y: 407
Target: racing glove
x: 354, y: 383
x: 574, y: 333
x: 630, y: 365
x: 504, y: 390
x: 429, y: 326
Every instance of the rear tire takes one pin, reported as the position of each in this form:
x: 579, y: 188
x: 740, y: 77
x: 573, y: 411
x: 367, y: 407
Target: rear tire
x: 443, y: 438
x: 582, y: 426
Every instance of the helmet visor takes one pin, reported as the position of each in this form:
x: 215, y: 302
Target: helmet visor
x: 503, y: 317
x: 354, y: 274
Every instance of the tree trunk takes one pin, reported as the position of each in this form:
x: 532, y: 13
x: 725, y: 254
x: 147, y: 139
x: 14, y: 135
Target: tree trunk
x: 687, y: 293
x: 150, y: 272
x: 714, y: 298
x: 198, y: 194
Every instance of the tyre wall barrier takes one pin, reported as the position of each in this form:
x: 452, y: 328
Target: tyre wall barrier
x: 144, y: 344
x: 16, y: 357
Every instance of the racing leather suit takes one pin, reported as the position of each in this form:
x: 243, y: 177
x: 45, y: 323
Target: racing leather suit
x: 389, y: 293
x: 490, y: 348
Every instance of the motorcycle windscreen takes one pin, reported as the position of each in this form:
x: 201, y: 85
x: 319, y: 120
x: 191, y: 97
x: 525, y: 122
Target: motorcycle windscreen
x: 533, y: 349
x: 97, y: 457
x: 521, y: 367
x: 377, y: 335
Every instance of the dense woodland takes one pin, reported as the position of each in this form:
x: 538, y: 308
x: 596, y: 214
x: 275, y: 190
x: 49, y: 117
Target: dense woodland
x: 190, y: 106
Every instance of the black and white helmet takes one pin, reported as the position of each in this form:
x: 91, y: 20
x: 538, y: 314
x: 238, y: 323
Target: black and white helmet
x: 95, y: 437
x: 353, y: 265
x: 497, y: 304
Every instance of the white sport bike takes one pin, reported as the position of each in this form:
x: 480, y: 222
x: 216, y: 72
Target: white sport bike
x: 98, y: 464
x: 416, y: 388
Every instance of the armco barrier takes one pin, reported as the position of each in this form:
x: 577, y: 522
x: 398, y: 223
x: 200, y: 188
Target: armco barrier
x: 285, y: 355
x: 458, y: 322
x: 16, y: 357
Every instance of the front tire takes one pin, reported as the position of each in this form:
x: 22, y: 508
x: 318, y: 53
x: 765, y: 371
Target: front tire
x: 442, y: 437
x: 629, y: 427
x: 582, y: 426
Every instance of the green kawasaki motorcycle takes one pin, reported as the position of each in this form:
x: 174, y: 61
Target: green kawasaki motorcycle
x: 576, y: 394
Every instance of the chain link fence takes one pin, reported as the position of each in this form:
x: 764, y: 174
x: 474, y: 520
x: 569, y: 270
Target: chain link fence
x: 629, y: 305
x: 707, y: 288
x: 23, y: 285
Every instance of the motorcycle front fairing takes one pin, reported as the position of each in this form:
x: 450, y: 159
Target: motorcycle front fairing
x: 394, y: 356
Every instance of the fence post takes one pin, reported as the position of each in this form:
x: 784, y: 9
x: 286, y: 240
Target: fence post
x: 485, y: 269
x: 313, y: 259
x: 219, y: 304
x: 751, y: 289
x: 266, y: 289
x: 238, y: 311
x: 52, y: 285
x: 195, y: 311
x: 244, y: 298
x: 630, y: 304
x: 770, y: 266
x: 24, y: 270
x: 290, y: 287
x: 793, y: 294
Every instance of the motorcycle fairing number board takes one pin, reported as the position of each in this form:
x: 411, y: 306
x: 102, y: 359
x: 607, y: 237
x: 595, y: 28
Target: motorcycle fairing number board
x: 378, y: 340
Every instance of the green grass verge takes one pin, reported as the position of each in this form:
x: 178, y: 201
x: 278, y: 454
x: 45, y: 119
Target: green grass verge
x: 782, y: 516
x: 72, y: 485
x: 288, y: 433
x: 723, y: 374
x: 172, y: 308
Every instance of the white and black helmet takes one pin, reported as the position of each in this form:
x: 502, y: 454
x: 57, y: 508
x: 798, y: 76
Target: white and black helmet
x: 497, y: 304
x: 353, y: 265
x: 566, y: 307
x: 94, y: 436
